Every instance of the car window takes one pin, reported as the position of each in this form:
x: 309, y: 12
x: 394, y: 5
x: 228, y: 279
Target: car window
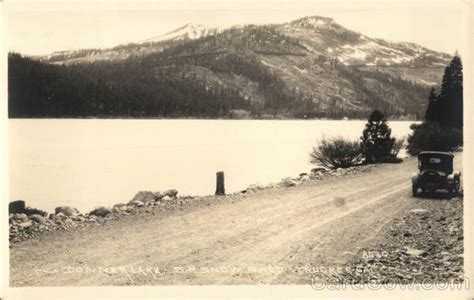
x: 435, y: 160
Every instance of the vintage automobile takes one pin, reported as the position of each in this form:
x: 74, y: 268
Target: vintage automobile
x: 436, y: 173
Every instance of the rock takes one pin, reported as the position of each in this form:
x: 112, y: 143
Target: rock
x: 38, y: 219
x: 67, y: 211
x: 16, y: 207
x: 34, y: 211
x: 305, y: 178
x: 79, y: 218
x: 416, y: 252
x: 302, y: 174
x: 120, y: 206
x: 166, y: 198
x: 100, y: 212
x: 69, y: 223
x: 136, y: 203
x: 159, y: 195
x: 143, y: 196
x: 317, y: 175
x: 60, y: 216
x: 288, y: 182
x: 171, y: 193
x: 319, y: 169
x: 26, y: 224
x: 20, y: 217
x: 254, y: 187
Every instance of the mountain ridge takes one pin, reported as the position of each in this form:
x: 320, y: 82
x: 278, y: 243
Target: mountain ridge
x: 309, y: 67
x: 192, y: 31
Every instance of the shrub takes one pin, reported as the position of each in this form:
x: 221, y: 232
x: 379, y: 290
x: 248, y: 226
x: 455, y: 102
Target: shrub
x: 397, y: 146
x: 430, y: 136
x: 376, y: 141
x: 393, y: 158
x: 336, y: 153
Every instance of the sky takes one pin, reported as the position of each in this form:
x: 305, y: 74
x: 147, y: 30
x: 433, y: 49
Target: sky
x: 35, y: 28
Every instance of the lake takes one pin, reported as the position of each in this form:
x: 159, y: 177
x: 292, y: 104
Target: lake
x: 88, y: 163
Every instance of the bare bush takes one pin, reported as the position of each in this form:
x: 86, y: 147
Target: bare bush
x: 336, y: 153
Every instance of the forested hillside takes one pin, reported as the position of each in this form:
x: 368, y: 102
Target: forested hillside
x: 308, y: 68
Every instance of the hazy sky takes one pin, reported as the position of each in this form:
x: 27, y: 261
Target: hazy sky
x: 41, y: 28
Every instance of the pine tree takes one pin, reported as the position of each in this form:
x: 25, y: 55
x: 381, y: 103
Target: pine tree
x: 376, y: 140
x: 432, y: 111
x: 450, y: 99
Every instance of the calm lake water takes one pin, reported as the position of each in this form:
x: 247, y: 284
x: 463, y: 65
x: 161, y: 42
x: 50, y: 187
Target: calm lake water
x: 87, y: 163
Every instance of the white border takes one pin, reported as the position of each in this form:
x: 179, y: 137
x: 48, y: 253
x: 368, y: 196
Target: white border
x: 261, y: 291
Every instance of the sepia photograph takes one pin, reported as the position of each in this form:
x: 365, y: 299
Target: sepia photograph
x: 237, y: 143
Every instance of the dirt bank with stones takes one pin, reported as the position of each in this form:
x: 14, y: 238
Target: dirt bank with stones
x: 423, y: 246
x: 30, y: 223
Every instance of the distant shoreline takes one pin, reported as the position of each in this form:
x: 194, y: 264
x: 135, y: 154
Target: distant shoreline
x: 195, y: 118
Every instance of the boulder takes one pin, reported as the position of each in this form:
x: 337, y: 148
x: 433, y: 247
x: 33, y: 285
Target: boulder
x: 143, y: 196
x: 288, y: 182
x: 317, y: 175
x: 136, y: 203
x: 26, y: 224
x: 67, y: 211
x: 318, y: 169
x: 120, y: 207
x: 100, y: 212
x: 38, y: 219
x: 69, y: 223
x: 159, y: 195
x: 34, y: 211
x: 171, y: 193
x: 61, y: 215
x: 16, y: 207
x: 254, y: 187
x: 304, y: 178
x: 79, y: 218
x: 20, y: 217
x: 166, y: 198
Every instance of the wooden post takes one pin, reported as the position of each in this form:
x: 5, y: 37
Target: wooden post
x: 220, y: 189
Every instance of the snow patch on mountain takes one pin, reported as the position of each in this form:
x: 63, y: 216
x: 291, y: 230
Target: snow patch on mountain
x: 188, y: 31
x: 314, y: 22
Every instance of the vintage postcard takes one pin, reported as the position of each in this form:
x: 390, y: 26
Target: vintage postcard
x: 255, y: 148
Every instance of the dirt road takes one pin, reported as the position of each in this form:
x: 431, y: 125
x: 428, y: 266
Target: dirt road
x: 268, y: 237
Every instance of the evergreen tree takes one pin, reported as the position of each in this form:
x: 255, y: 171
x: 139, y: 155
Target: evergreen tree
x: 451, y: 96
x: 432, y: 111
x: 447, y: 107
x: 376, y: 140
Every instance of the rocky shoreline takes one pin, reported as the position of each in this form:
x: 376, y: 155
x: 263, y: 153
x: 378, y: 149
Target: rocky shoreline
x: 29, y: 223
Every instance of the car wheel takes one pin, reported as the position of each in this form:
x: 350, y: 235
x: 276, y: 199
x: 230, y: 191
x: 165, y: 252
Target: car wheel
x: 414, y: 190
x: 457, y: 187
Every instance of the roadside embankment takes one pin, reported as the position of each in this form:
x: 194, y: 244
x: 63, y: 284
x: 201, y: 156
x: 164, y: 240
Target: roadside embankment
x: 27, y: 223
x: 423, y: 246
